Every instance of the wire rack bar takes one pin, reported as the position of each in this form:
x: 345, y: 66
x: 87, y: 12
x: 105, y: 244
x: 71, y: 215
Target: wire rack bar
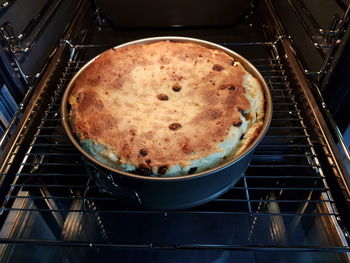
x: 290, y: 214
x: 344, y: 249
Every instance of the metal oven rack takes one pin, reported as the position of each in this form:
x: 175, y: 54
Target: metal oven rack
x: 282, y: 208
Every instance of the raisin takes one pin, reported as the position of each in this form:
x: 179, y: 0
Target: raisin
x: 229, y: 87
x: 78, y: 98
x: 176, y: 88
x: 175, y: 126
x: 243, y: 112
x: 143, y: 170
x: 237, y: 124
x: 232, y: 88
x: 217, y: 67
x: 143, y: 152
x: 192, y: 170
x: 132, y: 132
x: 162, y: 169
x: 148, y: 161
x: 162, y: 97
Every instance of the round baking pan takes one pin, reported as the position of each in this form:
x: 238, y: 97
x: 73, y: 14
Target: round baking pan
x: 171, y: 193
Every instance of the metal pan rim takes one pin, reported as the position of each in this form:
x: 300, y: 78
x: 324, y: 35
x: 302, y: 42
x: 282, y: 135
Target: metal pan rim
x: 246, y: 64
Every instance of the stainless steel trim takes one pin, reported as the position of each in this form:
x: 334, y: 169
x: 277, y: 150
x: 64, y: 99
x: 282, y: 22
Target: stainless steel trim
x: 246, y: 64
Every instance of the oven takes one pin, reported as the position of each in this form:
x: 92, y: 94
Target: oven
x: 291, y: 205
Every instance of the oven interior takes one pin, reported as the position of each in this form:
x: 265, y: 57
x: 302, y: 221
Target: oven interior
x: 292, y: 204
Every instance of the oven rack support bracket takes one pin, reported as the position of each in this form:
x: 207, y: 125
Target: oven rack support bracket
x: 328, y: 35
x: 343, y: 24
x: 307, y: 72
x: 279, y: 39
x: 12, y: 45
x: 72, y: 48
x: 6, y: 35
x: 32, y: 32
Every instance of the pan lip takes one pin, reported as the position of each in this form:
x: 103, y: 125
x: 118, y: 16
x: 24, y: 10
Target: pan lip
x: 246, y: 64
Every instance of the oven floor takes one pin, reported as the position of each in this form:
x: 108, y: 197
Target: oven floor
x: 280, y: 211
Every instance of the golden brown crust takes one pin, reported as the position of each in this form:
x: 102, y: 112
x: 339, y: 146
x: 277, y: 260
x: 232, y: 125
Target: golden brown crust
x: 159, y: 104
